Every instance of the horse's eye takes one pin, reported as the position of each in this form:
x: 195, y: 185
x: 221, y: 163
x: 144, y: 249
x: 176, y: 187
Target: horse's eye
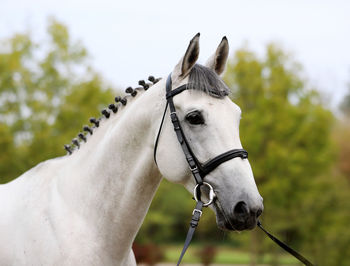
x: 195, y: 118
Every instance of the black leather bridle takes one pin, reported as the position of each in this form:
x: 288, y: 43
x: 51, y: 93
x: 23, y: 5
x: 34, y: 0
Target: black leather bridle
x: 199, y: 170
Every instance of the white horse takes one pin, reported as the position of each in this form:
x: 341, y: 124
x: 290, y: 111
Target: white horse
x: 86, y: 208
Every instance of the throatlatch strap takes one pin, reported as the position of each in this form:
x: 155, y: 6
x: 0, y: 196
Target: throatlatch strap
x: 286, y: 247
x: 158, y: 135
x: 196, y: 215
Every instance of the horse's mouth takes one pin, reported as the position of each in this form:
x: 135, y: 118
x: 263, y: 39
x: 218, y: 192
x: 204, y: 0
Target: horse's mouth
x: 238, y: 226
x: 231, y: 223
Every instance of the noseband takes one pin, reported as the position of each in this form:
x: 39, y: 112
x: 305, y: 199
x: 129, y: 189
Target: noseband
x: 199, y: 171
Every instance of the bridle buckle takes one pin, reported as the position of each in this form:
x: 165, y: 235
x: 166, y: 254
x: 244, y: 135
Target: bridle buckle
x: 194, y: 170
x: 198, y: 211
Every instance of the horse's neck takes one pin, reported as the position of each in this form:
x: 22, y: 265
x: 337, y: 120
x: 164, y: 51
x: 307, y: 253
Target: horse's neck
x: 111, y: 180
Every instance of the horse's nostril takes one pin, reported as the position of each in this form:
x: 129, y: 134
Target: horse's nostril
x: 258, y: 213
x: 241, y: 208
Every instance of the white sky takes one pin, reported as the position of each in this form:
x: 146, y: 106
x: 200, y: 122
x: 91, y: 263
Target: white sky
x: 129, y: 40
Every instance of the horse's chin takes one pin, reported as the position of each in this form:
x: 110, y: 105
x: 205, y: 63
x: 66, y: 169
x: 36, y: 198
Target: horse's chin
x: 232, y: 226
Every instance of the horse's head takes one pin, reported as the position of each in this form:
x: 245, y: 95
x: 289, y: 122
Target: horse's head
x: 210, y: 122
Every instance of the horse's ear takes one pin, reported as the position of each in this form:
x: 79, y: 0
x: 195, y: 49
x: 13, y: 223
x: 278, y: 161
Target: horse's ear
x: 185, y: 65
x: 217, y: 61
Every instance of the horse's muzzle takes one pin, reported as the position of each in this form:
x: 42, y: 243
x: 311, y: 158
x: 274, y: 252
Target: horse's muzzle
x: 242, y: 217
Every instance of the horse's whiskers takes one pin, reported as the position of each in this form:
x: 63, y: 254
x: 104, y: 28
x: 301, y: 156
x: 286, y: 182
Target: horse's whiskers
x: 224, y: 214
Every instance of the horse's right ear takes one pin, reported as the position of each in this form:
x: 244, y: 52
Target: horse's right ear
x: 185, y: 65
x: 217, y: 61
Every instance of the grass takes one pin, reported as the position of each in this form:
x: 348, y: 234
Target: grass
x: 224, y: 255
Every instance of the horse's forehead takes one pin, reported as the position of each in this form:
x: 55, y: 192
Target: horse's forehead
x: 196, y: 99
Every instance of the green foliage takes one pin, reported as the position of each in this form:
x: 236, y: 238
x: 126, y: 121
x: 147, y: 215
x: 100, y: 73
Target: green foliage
x: 341, y: 137
x: 345, y: 104
x: 44, y: 98
x: 170, y: 210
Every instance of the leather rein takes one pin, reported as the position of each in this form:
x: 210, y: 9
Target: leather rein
x: 199, y: 171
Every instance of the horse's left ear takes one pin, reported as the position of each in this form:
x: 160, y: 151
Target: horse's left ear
x: 217, y: 61
x: 185, y: 65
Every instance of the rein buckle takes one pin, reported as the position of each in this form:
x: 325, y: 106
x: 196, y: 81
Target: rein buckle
x: 199, y: 211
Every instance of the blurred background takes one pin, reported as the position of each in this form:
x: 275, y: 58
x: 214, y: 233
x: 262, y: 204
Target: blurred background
x: 62, y: 61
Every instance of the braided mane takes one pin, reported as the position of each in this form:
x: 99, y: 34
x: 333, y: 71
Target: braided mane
x: 106, y: 112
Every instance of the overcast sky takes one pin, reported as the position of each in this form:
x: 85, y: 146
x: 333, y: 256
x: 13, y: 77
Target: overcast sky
x: 129, y: 40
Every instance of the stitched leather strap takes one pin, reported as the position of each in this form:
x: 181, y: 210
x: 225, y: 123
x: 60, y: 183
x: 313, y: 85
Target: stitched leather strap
x: 196, y: 215
x: 176, y: 91
x: 215, y: 162
x: 190, y: 158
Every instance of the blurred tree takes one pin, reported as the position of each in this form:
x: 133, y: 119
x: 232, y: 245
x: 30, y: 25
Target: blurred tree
x: 342, y: 136
x: 45, y: 97
x: 345, y: 104
x: 334, y: 249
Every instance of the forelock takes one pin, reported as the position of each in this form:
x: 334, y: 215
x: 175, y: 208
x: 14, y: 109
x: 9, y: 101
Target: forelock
x: 205, y: 79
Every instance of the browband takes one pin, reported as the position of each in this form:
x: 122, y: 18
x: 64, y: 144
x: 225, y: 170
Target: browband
x: 176, y: 91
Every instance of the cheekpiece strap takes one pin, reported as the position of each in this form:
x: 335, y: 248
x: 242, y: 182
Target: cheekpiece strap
x: 190, y: 158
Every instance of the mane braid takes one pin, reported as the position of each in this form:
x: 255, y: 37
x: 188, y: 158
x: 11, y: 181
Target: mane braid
x: 120, y: 101
x: 205, y: 79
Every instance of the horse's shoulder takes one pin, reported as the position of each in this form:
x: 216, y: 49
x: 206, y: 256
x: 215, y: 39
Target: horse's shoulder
x: 30, y: 182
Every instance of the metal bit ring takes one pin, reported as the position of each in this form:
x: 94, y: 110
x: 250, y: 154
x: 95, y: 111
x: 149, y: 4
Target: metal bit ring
x: 197, y: 191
